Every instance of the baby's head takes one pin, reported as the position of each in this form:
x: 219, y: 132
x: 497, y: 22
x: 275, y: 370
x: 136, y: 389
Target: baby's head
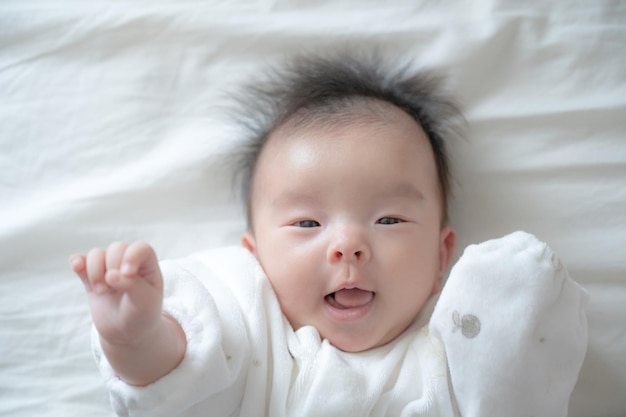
x: 346, y: 183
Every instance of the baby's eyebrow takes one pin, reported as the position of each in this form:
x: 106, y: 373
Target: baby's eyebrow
x: 291, y: 197
x: 403, y: 190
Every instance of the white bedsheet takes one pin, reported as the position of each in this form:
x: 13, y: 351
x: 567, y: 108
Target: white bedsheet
x: 112, y: 127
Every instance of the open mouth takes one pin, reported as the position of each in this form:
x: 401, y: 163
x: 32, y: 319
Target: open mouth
x: 352, y: 298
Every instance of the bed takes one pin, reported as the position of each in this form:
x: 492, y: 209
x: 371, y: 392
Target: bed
x: 113, y: 126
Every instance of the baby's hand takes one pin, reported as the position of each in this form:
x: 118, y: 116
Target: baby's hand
x: 125, y: 290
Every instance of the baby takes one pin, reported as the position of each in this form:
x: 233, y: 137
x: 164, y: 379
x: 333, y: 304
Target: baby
x: 346, y: 182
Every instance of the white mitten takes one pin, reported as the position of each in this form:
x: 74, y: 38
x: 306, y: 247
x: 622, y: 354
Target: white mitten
x: 514, y: 329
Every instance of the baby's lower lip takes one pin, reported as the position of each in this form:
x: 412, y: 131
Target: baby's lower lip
x: 349, y: 305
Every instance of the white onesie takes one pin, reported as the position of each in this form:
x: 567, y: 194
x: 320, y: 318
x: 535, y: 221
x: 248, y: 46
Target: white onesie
x: 507, y: 338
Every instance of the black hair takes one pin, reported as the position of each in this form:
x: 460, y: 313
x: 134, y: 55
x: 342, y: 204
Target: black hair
x: 323, y: 88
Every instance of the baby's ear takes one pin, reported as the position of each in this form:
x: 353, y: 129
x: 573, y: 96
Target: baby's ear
x: 248, y: 242
x: 447, y: 244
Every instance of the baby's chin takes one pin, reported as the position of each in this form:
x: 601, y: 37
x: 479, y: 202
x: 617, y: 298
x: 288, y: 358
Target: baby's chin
x: 354, y: 339
x: 350, y: 342
x: 357, y: 343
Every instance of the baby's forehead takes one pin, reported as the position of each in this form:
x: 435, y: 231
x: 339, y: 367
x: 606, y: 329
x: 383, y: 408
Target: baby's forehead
x: 376, y: 120
x: 344, y: 114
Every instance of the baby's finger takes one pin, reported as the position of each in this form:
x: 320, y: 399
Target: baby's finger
x: 140, y: 259
x: 123, y: 283
x: 96, y: 269
x: 114, y: 255
x: 78, y: 263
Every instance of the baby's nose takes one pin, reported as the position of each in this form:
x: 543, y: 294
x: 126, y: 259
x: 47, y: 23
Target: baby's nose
x: 349, y: 247
x: 338, y: 255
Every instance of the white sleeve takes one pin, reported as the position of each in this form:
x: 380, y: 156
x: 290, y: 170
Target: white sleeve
x: 514, y: 329
x: 212, y: 370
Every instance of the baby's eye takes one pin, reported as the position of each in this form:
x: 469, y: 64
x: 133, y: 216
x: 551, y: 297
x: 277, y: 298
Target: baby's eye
x: 307, y: 223
x: 389, y: 220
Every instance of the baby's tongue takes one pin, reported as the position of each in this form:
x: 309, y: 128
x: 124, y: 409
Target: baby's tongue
x: 353, y: 297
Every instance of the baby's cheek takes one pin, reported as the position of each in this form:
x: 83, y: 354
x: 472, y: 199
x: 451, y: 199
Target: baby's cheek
x: 293, y: 314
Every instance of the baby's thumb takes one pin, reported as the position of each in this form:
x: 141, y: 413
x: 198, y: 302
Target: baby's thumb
x: 140, y: 291
x: 125, y: 280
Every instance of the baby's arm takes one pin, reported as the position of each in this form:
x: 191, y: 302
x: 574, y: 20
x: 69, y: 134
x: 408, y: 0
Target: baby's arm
x: 514, y: 329
x: 125, y: 292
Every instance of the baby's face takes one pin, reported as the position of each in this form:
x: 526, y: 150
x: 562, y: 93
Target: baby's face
x: 347, y: 226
